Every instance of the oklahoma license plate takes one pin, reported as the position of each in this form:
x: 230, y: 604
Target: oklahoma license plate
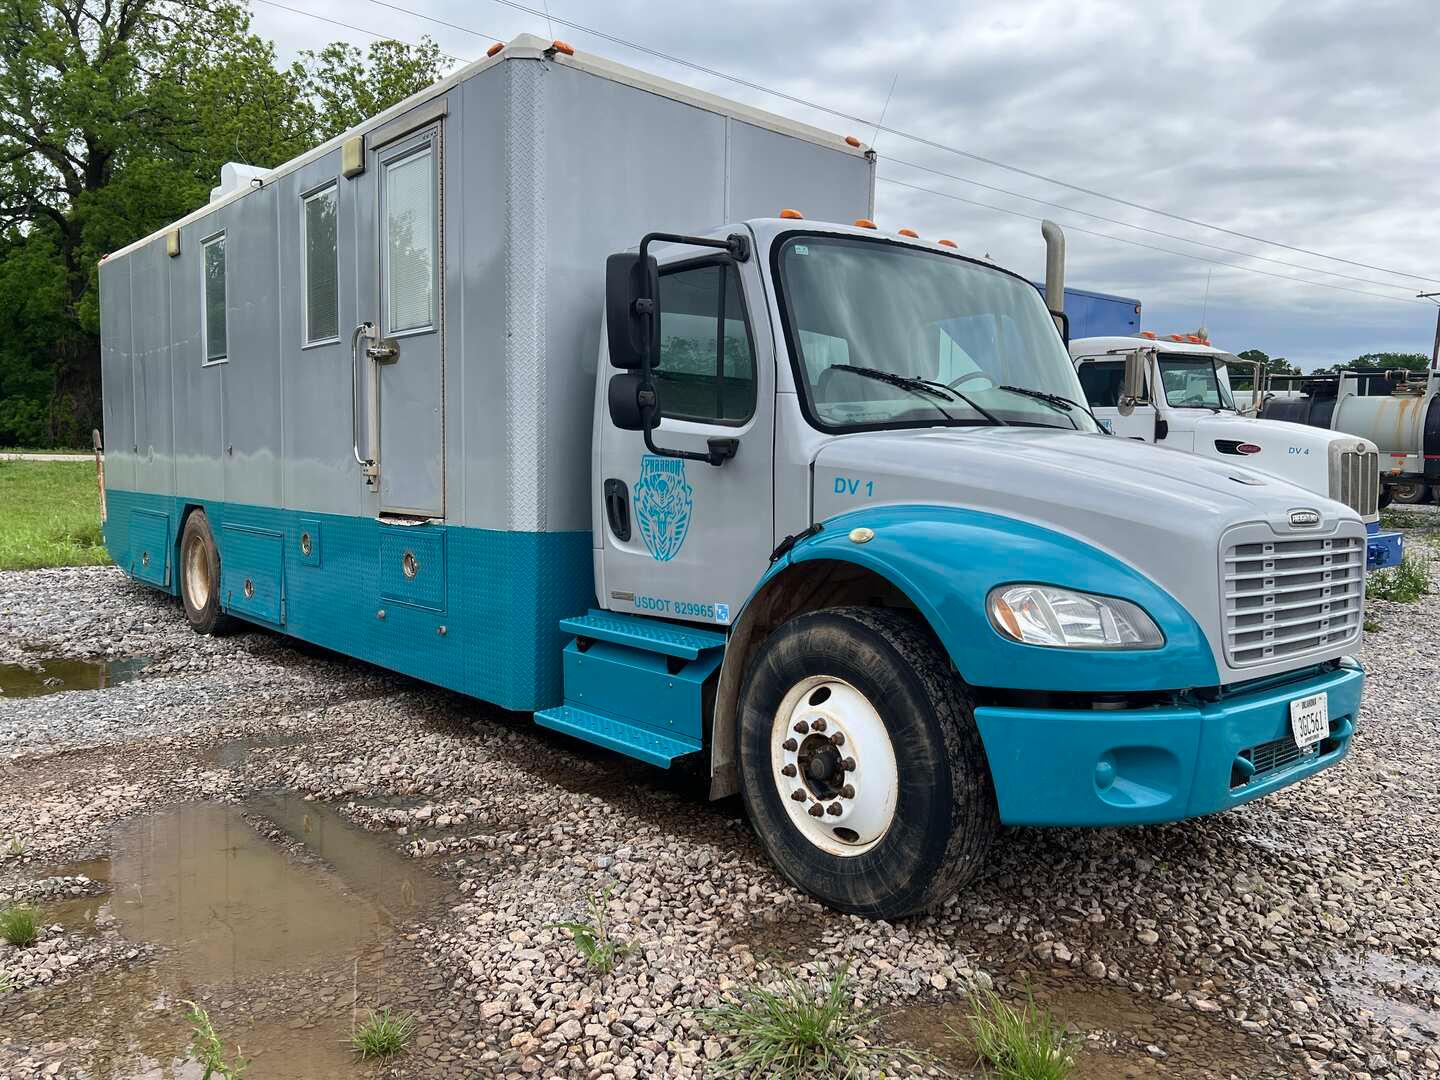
x: 1310, y: 719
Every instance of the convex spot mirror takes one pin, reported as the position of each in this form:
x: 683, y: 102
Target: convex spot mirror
x: 631, y: 288
x: 1132, y: 387
x: 631, y: 404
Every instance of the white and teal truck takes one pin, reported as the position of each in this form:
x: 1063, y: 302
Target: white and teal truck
x: 1180, y: 397
x: 526, y: 389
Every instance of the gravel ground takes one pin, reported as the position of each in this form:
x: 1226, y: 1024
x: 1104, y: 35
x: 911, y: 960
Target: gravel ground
x: 1299, y: 935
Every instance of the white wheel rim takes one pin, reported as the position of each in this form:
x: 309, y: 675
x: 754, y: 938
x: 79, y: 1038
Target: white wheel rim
x: 197, y: 575
x: 828, y: 742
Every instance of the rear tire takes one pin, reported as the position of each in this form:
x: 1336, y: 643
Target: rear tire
x: 1408, y: 493
x: 907, y: 804
x: 200, y: 577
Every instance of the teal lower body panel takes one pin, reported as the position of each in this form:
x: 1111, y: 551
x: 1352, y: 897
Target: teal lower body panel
x: 473, y: 610
x: 1070, y: 767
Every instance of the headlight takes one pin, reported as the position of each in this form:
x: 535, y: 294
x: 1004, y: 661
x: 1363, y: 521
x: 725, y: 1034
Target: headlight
x: 1063, y: 618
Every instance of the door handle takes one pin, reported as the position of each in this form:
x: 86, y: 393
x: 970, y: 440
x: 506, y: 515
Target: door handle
x: 368, y: 466
x: 617, y: 508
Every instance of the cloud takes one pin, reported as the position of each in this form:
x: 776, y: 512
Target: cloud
x: 1311, y: 124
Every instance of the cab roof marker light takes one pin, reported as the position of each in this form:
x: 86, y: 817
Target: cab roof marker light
x: 1149, y: 335
x: 864, y: 223
x: 909, y: 232
x: 792, y: 215
x: 947, y: 243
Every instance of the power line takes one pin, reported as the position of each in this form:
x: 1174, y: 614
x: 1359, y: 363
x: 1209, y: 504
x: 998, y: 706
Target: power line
x: 1143, y: 228
x: 438, y: 22
x: 358, y: 29
x: 1148, y: 247
x: 737, y: 80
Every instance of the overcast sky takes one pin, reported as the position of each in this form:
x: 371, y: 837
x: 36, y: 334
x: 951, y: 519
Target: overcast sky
x: 1314, y: 124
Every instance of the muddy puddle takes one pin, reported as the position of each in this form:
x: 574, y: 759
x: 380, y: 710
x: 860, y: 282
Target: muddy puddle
x: 234, y: 753
x: 58, y: 676
x: 1393, y: 991
x: 1112, y: 1028
x: 277, y: 915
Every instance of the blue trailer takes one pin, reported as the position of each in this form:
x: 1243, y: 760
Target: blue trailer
x: 805, y: 503
x: 1097, y: 314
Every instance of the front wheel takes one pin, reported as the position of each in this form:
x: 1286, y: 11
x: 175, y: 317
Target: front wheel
x: 861, y: 766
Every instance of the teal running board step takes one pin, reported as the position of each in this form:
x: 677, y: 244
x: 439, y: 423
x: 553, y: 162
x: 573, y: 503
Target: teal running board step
x: 645, y: 634
x: 614, y: 734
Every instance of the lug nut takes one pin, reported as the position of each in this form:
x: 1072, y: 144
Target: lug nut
x: 848, y: 764
x: 834, y: 809
x: 848, y: 791
x: 788, y: 770
x: 816, y: 810
x: 838, y: 739
x: 791, y: 745
x: 798, y: 795
x: 819, y: 725
x: 802, y: 728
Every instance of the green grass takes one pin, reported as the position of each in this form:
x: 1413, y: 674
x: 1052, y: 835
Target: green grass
x: 49, y: 515
x: 20, y: 924
x: 1023, y: 1043
x: 16, y: 847
x: 602, y: 952
x: 7, y: 983
x: 384, y: 1034
x: 798, y: 1031
x: 1403, y: 584
x: 208, y: 1051
x: 1396, y: 518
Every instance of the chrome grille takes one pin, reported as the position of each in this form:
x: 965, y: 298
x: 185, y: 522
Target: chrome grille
x: 1355, y: 480
x: 1285, y: 598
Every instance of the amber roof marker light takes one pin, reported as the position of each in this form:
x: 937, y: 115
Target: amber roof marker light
x: 792, y: 215
x: 947, y: 243
x: 864, y: 223
x: 495, y: 48
x: 909, y: 232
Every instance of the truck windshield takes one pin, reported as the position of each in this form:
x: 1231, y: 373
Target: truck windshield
x: 858, y: 308
x: 1191, y: 382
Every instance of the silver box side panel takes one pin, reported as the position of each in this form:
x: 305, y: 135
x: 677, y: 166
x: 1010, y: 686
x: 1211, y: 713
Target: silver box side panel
x: 150, y: 337
x: 769, y: 172
x: 116, y: 379
x: 199, y: 418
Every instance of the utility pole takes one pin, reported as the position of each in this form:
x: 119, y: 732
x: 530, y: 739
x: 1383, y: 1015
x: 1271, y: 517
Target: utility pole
x: 1435, y: 349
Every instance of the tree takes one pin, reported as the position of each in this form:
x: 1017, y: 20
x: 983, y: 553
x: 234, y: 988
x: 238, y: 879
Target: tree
x: 1276, y: 365
x: 1383, y: 361
x: 115, y: 117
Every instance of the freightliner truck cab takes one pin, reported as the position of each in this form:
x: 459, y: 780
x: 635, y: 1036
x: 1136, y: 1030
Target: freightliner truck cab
x: 1182, y: 399
x: 859, y: 543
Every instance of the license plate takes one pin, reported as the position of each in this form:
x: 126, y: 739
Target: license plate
x: 1310, y: 719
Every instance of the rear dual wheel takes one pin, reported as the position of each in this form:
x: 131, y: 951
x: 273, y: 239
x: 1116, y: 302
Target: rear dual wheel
x: 1408, y: 493
x: 861, y: 765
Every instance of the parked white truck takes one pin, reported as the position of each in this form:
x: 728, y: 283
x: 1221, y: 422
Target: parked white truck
x: 1176, y: 393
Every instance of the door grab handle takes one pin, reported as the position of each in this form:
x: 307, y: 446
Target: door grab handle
x: 367, y: 465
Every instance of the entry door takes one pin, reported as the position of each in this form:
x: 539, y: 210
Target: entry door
x: 1102, y: 381
x: 410, y: 315
x: 686, y: 539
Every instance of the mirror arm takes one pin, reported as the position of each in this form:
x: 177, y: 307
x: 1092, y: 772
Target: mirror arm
x: 721, y: 450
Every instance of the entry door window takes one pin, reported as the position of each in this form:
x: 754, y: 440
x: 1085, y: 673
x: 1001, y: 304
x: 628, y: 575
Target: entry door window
x: 707, y: 367
x: 410, y: 241
x: 1102, y: 380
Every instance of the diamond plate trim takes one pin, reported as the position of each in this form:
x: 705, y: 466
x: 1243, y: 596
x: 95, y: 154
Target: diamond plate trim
x: 525, y: 294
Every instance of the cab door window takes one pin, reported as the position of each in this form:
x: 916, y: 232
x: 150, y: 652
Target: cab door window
x: 707, y: 364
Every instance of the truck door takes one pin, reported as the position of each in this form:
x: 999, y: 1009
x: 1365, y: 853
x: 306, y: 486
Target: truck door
x: 400, y: 365
x: 685, y: 539
x: 1102, y: 381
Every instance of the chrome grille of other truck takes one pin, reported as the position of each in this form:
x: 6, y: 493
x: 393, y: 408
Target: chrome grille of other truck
x: 1355, y: 479
x: 1286, y: 597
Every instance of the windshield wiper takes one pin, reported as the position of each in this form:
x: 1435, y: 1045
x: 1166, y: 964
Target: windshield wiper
x: 918, y: 385
x: 1064, y: 404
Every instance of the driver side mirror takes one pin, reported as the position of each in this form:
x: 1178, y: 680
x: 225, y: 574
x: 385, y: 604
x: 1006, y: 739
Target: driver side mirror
x: 632, y: 285
x: 1062, y: 323
x: 1132, y: 387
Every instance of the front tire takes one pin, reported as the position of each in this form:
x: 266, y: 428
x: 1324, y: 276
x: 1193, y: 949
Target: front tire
x: 860, y: 710
x: 200, y: 577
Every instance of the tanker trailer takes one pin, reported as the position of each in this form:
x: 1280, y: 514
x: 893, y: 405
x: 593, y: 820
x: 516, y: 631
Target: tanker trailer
x: 1399, y: 411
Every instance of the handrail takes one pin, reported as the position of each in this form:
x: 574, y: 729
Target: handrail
x: 364, y: 330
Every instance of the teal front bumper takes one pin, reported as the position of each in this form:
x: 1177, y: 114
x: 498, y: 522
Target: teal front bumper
x: 1141, y: 766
